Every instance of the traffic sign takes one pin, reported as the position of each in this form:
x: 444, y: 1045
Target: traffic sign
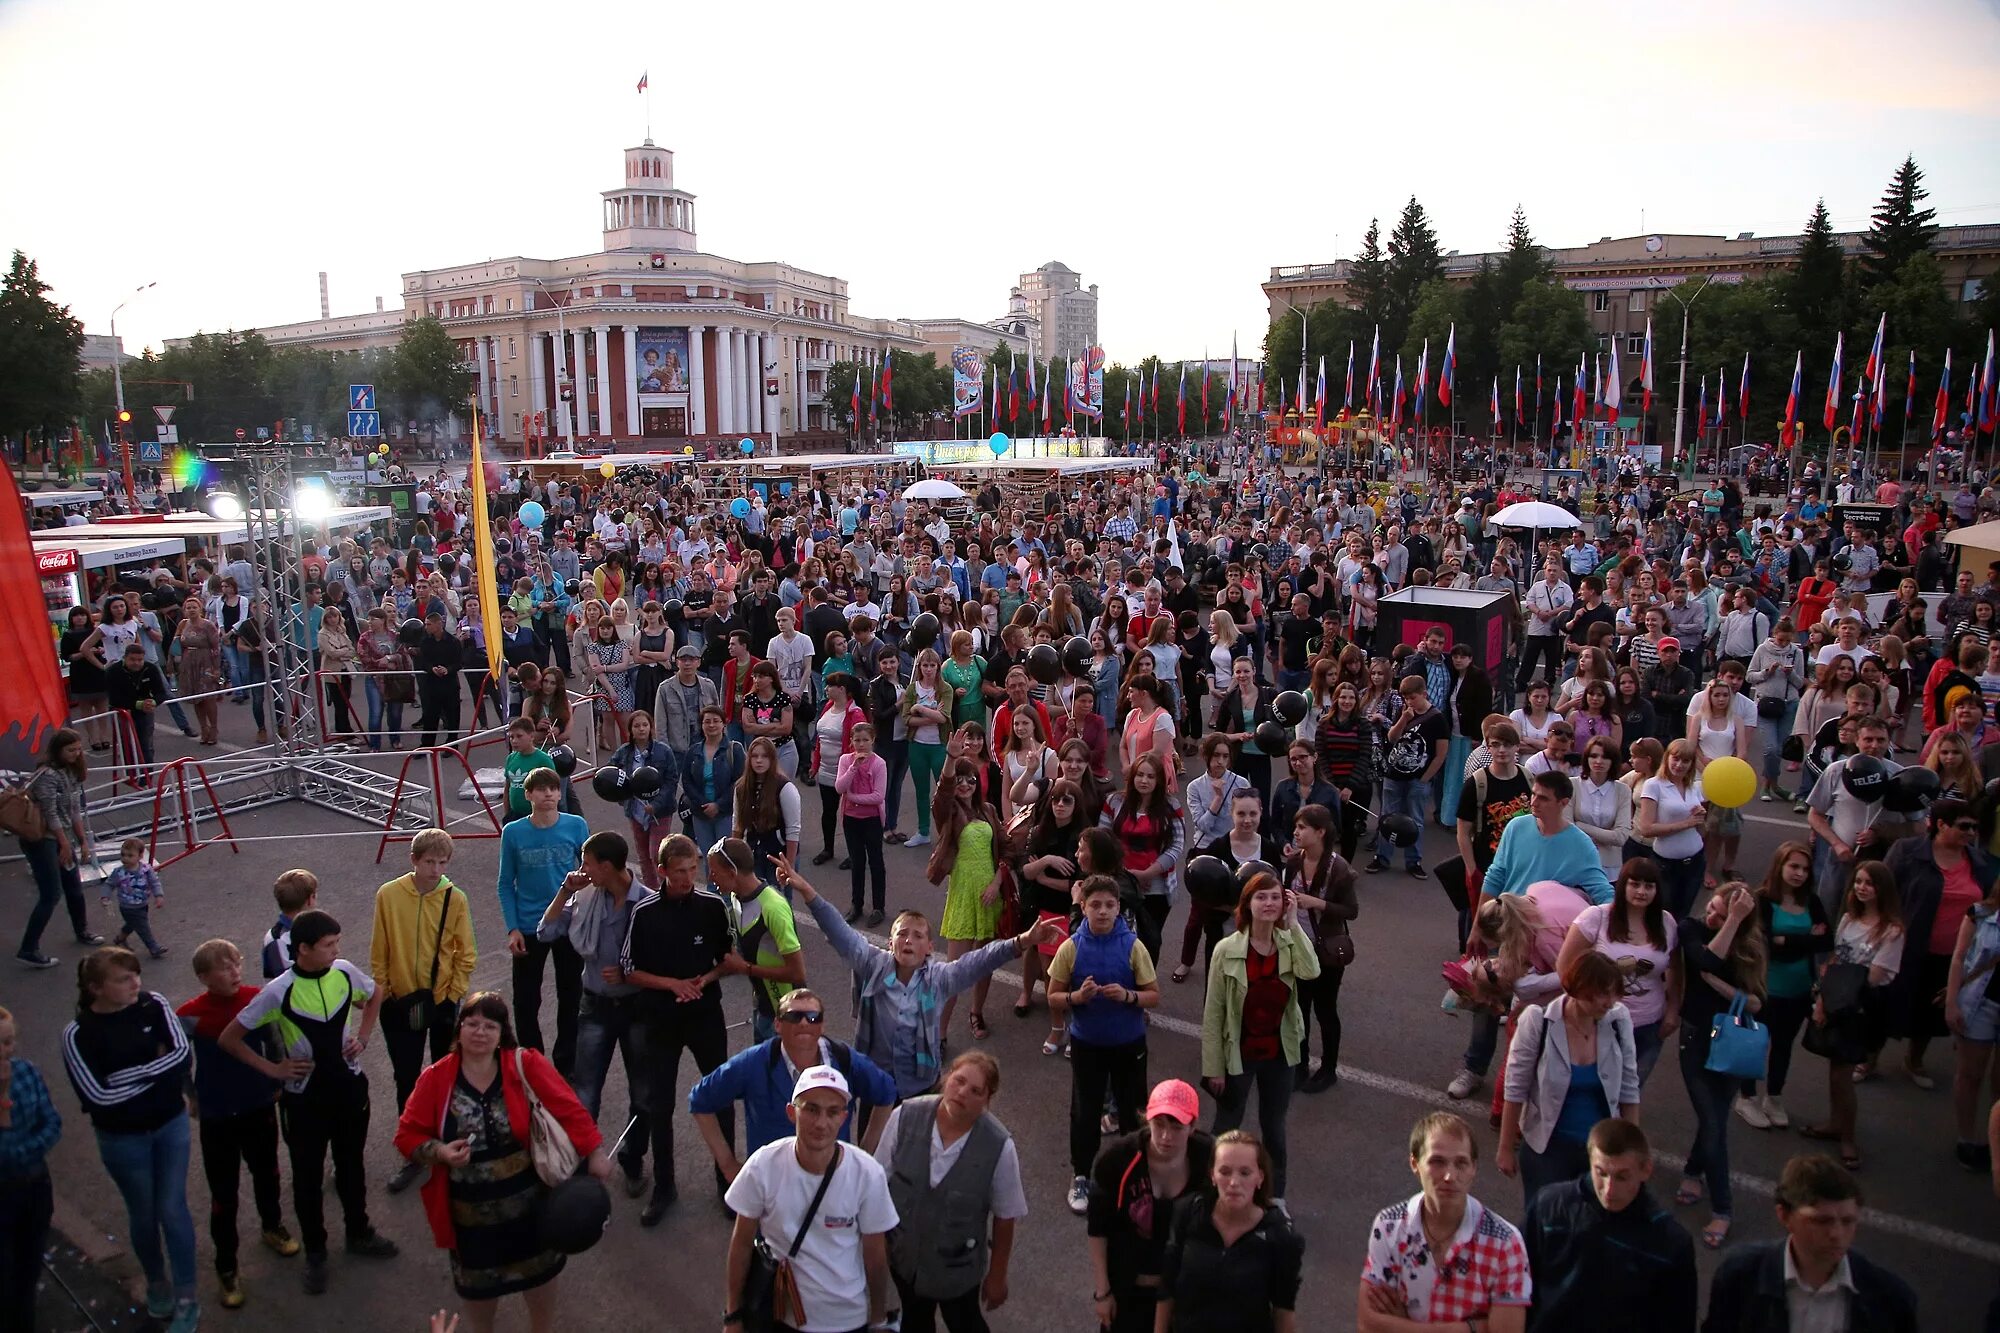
x: 364, y: 425
x: 150, y: 452
x: 168, y: 434
x: 240, y: 436
x: 360, y: 398
x: 165, y: 415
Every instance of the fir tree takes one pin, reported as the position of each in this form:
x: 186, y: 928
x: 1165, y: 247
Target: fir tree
x: 1369, y: 284
x: 1414, y: 259
x: 1901, y: 228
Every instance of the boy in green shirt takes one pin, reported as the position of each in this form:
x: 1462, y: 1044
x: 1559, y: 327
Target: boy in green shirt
x: 767, y: 939
x: 523, y: 756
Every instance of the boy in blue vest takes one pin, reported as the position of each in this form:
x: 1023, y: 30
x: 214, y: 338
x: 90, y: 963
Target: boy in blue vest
x: 295, y: 891
x: 1103, y: 978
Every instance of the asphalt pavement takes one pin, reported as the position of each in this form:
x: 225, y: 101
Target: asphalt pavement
x: 1927, y: 1219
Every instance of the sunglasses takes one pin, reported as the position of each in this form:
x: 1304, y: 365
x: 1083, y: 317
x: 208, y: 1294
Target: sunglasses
x: 1965, y: 825
x: 797, y: 1016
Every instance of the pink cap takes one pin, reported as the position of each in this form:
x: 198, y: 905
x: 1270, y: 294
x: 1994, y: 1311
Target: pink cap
x: 1668, y: 641
x: 1176, y: 1099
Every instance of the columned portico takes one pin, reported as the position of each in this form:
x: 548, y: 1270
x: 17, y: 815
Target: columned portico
x: 580, y: 378
x: 600, y: 334
x: 481, y: 349
x: 564, y: 430
x: 633, y: 423
x: 697, y: 381
x: 725, y: 386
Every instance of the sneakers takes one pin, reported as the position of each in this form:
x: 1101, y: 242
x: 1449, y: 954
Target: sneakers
x: 313, y: 1281
x: 1376, y: 866
x: 160, y: 1303
x: 36, y: 960
x: 406, y: 1175
x: 374, y: 1245
x: 187, y: 1315
x: 232, y: 1290
x: 918, y: 840
x: 854, y: 914
x: 1751, y: 1113
x: 1774, y: 1111
x: 89, y: 941
x: 279, y: 1241
x: 664, y: 1194
x: 1417, y: 871
x: 874, y: 918
x: 1079, y: 1196
x: 1463, y: 1084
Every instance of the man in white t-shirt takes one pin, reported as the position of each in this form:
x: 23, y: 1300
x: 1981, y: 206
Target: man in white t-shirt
x: 791, y: 653
x: 841, y: 1268
x: 1847, y: 643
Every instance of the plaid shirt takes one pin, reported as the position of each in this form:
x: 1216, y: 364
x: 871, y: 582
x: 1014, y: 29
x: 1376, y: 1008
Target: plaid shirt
x: 25, y: 1144
x: 1486, y: 1266
x: 1121, y: 528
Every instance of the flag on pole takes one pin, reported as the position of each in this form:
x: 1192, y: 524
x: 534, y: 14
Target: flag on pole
x: 1721, y: 400
x: 1013, y: 390
x: 1069, y: 392
x: 1874, y: 365
x: 1374, y: 389
x: 1743, y: 391
x: 1347, y: 400
x: 1614, y: 386
x: 1989, y: 389
x: 1423, y: 379
x: 1260, y: 395
x: 1646, y: 375
x: 483, y: 568
x: 1496, y: 402
x: 642, y: 83
x: 1576, y: 412
x: 1319, y: 405
x: 1031, y: 389
x: 1204, y: 390
x: 1860, y: 402
x: 874, y: 395
x: 1830, y: 415
x: 1396, y: 401
x: 1910, y: 391
x: 1555, y: 427
x: 1048, y: 378
x: 1789, y: 434
x: 1538, y: 386
x: 1234, y: 386
x: 1875, y: 407
x: 1180, y: 401
x: 1447, y: 366
x: 1701, y: 410
x: 1520, y: 417
x: 854, y: 397
x: 1941, y: 413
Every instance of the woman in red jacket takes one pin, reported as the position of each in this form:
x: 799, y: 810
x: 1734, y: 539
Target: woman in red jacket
x: 468, y: 1121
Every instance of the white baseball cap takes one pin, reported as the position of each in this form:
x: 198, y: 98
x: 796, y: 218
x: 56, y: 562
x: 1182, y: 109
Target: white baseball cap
x: 821, y: 1076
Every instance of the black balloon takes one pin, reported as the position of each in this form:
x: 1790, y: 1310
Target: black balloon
x: 644, y: 782
x: 1865, y: 777
x: 1842, y: 563
x: 410, y: 633
x: 573, y: 1216
x: 609, y: 784
x: 1911, y: 789
x: 1291, y: 707
x: 570, y: 587
x: 563, y: 760
x: 923, y: 633
x: 1076, y: 656
x: 673, y: 607
x: 1044, y: 664
x: 1272, y: 738
x: 447, y: 563
x: 1401, y: 830
x: 1209, y: 881
x: 1249, y: 870
x: 1260, y: 551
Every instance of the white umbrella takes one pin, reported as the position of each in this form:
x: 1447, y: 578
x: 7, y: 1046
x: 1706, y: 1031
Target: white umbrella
x: 1536, y: 514
x: 933, y: 488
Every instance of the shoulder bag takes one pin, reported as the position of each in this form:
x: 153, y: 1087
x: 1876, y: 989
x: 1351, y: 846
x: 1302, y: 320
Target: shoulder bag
x: 1335, y: 947
x: 418, y: 1008
x: 770, y: 1294
x: 21, y: 816
x: 1738, y: 1045
x: 548, y: 1142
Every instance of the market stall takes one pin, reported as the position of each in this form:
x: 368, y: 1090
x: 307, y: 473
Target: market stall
x: 74, y: 571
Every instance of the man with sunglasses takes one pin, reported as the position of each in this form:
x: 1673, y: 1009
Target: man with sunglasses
x: 763, y: 1076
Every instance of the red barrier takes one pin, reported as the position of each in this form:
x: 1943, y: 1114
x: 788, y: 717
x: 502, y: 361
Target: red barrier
x: 432, y: 753
x: 176, y: 774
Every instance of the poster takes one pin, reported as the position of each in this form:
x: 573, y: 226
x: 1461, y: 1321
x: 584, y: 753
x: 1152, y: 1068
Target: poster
x: 663, y: 360
x: 967, y: 382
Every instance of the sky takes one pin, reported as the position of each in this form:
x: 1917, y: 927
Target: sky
x: 1170, y: 153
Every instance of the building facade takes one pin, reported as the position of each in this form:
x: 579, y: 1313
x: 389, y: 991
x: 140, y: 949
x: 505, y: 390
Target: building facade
x: 1065, y: 309
x: 648, y: 340
x: 1623, y: 278
x: 101, y: 351
x: 942, y: 335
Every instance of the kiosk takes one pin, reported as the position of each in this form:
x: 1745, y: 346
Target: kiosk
x: 1480, y: 619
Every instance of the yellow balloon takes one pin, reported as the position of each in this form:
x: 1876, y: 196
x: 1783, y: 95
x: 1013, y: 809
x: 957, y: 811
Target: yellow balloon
x: 1728, y: 782
x: 607, y: 470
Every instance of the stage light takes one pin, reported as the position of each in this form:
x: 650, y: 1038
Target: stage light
x: 225, y: 505
x: 311, y: 501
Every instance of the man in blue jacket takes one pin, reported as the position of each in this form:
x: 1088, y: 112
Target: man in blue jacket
x: 762, y: 1078
x: 1603, y: 1242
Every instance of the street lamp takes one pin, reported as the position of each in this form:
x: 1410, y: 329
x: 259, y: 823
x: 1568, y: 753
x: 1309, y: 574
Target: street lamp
x: 565, y: 418
x: 118, y: 391
x: 1680, y: 389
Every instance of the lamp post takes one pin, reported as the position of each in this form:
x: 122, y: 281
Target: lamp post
x: 1680, y: 388
x: 565, y: 417
x: 118, y: 392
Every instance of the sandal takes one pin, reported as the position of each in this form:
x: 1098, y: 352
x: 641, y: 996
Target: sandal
x: 1024, y: 1006
x: 1053, y: 1046
x: 1716, y: 1234
x: 1180, y: 974
x: 978, y: 1025
x: 1688, y: 1193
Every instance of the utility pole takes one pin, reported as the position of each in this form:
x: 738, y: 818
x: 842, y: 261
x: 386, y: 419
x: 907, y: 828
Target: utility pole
x: 118, y: 391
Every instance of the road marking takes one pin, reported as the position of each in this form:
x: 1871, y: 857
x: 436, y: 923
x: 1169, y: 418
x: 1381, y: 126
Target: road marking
x: 1895, y: 1224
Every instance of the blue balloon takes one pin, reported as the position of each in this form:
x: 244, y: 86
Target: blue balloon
x: 748, y: 445
x: 532, y: 515
x: 999, y: 444
x: 739, y: 507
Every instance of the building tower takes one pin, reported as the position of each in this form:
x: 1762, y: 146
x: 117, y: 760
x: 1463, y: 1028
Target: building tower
x: 648, y: 213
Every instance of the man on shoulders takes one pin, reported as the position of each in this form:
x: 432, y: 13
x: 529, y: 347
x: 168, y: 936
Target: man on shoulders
x: 1603, y: 1242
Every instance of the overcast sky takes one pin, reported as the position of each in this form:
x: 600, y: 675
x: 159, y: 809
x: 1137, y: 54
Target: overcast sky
x: 1171, y: 153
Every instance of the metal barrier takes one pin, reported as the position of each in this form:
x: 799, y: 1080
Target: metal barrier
x: 174, y: 777
x: 432, y: 754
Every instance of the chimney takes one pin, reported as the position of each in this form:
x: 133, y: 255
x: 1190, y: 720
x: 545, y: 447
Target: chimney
x: 378, y: 305
x: 325, y: 312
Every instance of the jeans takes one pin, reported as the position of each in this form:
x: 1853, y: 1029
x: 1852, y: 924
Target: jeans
x: 1274, y: 1080
x: 406, y: 1044
x: 173, y: 703
x: 229, y: 1143
x: 236, y: 664
x: 376, y: 707
x: 1647, y: 1044
x: 896, y: 754
x: 137, y: 921
x: 527, y: 970
x: 151, y: 1171
x: 318, y: 1122
x: 26, y: 1207
x: 142, y: 733
x: 1485, y: 1041
x: 604, y: 1022
x: 666, y: 1036
x: 864, y: 851
x: 440, y: 700
x: 1773, y: 731
x: 1785, y: 1015
x: 1680, y: 880
x: 1320, y: 998
x: 706, y: 832
x: 1293, y: 680
x: 1713, y: 1095
x: 52, y: 881
x: 1452, y: 780
x: 926, y: 763
x: 1564, y: 1159
x: 1092, y: 1069
x: 962, y: 1313
x: 1401, y: 796
x: 829, y: 817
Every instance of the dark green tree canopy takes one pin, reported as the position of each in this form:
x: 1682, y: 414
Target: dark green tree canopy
x: 1901, y: 227
x: 41, y: 344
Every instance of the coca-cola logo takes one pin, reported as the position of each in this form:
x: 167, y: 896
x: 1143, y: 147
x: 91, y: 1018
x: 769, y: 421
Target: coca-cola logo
x: 55, y: 562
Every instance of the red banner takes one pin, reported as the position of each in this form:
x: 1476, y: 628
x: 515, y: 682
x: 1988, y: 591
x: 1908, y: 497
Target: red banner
x: 32, y: 700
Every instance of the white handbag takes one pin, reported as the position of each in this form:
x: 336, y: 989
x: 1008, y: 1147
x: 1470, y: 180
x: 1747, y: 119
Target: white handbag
x: 548, y: 1142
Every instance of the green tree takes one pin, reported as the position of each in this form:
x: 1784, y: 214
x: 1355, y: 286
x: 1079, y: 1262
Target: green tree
x: 1439, y: 308
x: 1901, y: 228
x: 1368, y: 279
x: 1520, y: 264
x: 41, y: 344
x: 431, y: 380
x: 1415, y: 259
x: 1816, y: 290
x: 1547, y: 320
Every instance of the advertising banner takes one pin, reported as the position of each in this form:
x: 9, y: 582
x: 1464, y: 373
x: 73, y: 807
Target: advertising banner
x: 663, y: 360
x: 967, y: 381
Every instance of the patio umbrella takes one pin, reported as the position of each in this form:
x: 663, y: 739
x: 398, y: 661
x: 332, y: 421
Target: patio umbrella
x: 1536, y: 514
x: 933, y: 488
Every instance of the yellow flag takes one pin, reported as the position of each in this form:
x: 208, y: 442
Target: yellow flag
x: 483, y: 562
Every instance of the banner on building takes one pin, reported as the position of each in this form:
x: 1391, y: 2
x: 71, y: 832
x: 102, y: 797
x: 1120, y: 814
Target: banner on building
x: 663, y: 360
x: 967, y: 381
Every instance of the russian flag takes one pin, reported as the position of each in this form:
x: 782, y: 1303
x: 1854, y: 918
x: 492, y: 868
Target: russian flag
x: 1048, y: 379
x: 888, y: 380
x: 1319, y: 406
x: 1260, y: 395
x: 1701, y: 409
x: 1375, y: 372
x: 1447, y: 366
x: 1013, y: 391
x: 1069, y: 391
x: 1875, y: 407
x: 1646, y: 374
x: 1396, y: 403
x: 1721, y: 400
x: 1874, y: 365
x: 1204, y: 390
x: 1612, y: 394
x: 1830, y: 415
x: 1180, y: 402
x: 1989, y: 404
x: 1788, y: 435
x: 1555, y: 427
x: 1348, y: 400
x: 1743, y: 391
x: 1520, y: 417
x: 1941, y: 413
x: 1423, y: 378
x: 1496, y: 402
x: 1577, y: 410
x: 1538, y: 385
x: 874, y: 395
x: 854, y: 397
x: 1910, y: 391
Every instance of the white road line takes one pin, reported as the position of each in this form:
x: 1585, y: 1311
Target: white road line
x: 1972, y: 1247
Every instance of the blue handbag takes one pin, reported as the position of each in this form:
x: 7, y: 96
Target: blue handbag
x: 1738, y: 1045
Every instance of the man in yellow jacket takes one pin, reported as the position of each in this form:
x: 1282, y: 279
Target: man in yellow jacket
x: 421, y: 955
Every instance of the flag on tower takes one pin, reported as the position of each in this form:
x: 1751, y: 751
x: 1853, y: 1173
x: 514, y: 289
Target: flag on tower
x: 1646, y: 375
x: 1788, y: 435
x: 1941, y: 413
x: 1447, y: 366
x: 1830, y: 414
x: 1743, y: 391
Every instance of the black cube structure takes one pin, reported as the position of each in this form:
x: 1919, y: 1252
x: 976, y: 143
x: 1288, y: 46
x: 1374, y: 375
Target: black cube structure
x: 1476, y: 618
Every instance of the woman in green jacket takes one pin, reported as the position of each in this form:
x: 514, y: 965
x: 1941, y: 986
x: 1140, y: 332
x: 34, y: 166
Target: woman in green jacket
x: 1252, y: 1031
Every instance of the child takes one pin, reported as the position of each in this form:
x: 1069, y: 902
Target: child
x: 863, y: 784
x: 296, y: 891
x: 420, y: 952
x: 523, y: 756
x: 137, y: 887
x: 324, y: 1009
x: 239, y: 1119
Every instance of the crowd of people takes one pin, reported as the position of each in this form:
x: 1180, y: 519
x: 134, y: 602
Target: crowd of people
x: 1158, y: 692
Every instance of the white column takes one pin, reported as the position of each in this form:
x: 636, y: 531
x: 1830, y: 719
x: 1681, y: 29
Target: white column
x: 537, y: 389
x: 565, y: 420
x: 753, y: 384
x: 601, y: 336
x: 632, y: 381
x: 767, y: 406
x: 485, y: 383
x: 580, y: 376
x: 697, y: 416
x: 725, y: 418
x: 741, y: 342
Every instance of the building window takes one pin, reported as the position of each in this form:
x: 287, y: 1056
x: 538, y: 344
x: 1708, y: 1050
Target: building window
x: 1635, y: 345
x: 1636, y: 303
x: 1600, y: 301
x: 1603, y: 342
x: 510, y: 303
x: 513, y: 386
x: 510, y: 349
x: 1973, y: 289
